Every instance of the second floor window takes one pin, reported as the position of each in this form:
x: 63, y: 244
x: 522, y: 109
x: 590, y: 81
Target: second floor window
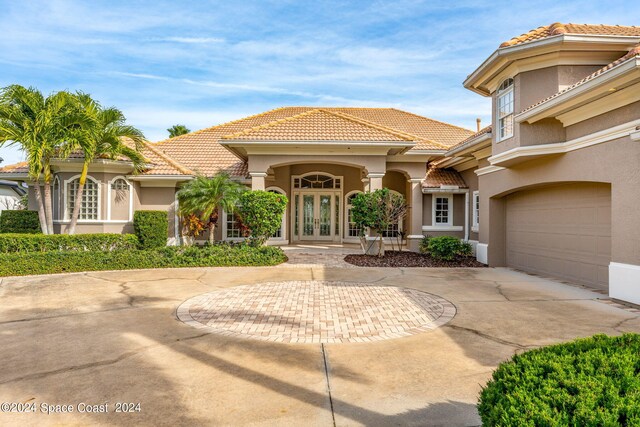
x: 504, y: 111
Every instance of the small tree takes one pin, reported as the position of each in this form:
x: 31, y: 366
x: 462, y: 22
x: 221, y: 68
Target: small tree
x: 376, y: 211
x: 203, y: 196
x: 177, y: 130
x: 261, y: 212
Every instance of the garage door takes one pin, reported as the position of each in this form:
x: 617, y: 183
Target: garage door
x: 561, y: 231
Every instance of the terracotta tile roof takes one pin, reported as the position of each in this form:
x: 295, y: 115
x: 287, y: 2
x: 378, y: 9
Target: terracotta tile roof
x: 320, y: 125
x: 436, y: 178
x: 22, y: 167
x: 580, y: 29
x: 633, y: 53
x: 483, y: 131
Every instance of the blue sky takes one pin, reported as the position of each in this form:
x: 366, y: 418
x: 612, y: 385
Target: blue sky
x: 201, y: 63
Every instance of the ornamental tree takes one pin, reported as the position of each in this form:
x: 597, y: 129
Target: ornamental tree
x: 261, y: 213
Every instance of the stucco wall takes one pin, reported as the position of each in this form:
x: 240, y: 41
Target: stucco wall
x: 458, y: 215
x: 604, y: 121
x: 471, y: 179
x: 615, y: 162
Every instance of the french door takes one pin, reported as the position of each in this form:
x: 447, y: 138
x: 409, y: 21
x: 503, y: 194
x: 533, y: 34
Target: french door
x: 319, y: 216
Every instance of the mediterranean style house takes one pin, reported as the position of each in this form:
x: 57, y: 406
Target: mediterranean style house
x: 551, y: 187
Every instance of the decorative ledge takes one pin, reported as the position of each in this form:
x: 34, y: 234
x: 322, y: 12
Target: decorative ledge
x: 442, y: 228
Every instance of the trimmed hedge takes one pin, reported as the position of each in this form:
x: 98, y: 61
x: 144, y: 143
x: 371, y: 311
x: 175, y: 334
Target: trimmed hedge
x: 21, y: 264
x: 20, y: 221
x: 11, y: 243
x: 445, y: 248
x: 151, y: 228
x: 588, y: 382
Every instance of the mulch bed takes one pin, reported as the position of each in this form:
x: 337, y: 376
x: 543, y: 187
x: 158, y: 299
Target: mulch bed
x: 408, y: 259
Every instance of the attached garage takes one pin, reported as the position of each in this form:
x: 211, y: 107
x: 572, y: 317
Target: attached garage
x: 561, y: 231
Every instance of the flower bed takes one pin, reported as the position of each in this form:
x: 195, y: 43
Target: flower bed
x: 409, y: 259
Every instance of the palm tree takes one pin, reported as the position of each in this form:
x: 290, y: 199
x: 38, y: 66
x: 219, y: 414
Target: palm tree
x: 105, y: 135
x: 205, y: 196
x: 177, y: 130
x: 40, y: 126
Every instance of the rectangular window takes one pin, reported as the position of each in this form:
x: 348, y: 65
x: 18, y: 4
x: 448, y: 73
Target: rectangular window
x: 233, y: 229
x: 442, y: 210
x: 476, y: 211
x: 505, y: 114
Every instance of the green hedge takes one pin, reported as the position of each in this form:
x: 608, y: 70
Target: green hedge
x: 588, y: 382
x: 20, y: 222
x: 445, y: 247
x: 151, y: 228
x: 10, y: 243
x: 21, y: 264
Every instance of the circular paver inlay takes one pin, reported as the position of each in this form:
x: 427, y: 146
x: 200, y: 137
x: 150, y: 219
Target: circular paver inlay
x: 316, y: 312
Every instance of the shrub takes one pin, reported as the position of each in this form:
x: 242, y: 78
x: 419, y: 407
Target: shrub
x: 447, y: 248
x: 11, y: 243
x: 424, y: 245
x: 261, y: 212
x: 19, y: 221
x: 588, y: 382
x: 20, y: 264
x: 151, y: 228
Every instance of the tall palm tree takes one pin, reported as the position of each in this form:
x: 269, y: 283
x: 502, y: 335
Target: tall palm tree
x: 40, y: 126
x: 104, y: 135
x: 204, y: 196
x: 177, y: 130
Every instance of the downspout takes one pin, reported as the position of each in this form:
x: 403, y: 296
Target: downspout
x: 466, y: 216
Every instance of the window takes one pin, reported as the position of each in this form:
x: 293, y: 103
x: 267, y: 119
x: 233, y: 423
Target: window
x: 120, y: 184
x: 280, y: 233
x: 233, y: 227
x: 316, y: 181
x: 352, y: 228
x: 442, y: 209
x: 504, y: 112
x: 89, y: 205
x: 476, y: 211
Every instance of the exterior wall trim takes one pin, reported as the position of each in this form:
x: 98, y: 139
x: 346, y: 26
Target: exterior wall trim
x: 488, y: 169
x: 109, y: 196
x: 599, y: 137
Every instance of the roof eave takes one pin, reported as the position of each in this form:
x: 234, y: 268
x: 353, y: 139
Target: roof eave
x: 472, y: 143
x: 472, y: 81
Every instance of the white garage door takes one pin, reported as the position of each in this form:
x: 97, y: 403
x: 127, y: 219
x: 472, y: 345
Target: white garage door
x: 562, y: 231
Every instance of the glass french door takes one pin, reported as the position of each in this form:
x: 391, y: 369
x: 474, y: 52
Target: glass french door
x: 318, y: 213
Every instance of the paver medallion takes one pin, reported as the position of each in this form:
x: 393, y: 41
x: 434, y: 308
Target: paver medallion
x: 316, y: 312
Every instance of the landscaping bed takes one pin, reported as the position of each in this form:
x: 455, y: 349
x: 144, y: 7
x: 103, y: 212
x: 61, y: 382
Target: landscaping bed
x: 409, y: 259
x: 222, y: 255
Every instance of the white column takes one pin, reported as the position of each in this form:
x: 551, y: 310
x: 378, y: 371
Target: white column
x: 414, y: 234
x: 375, y: 180
x: 257, y: 180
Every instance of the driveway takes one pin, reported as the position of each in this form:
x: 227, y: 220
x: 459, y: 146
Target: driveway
x: 104, y: 338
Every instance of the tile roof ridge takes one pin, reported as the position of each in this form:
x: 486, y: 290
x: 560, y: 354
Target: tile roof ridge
x: 173, y: 163
x: 270, y: 124
x: 404, y: 135
x: 196, y: 132
x: 429, y: 118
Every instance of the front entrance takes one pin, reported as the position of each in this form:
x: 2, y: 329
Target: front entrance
x: 317, y: 215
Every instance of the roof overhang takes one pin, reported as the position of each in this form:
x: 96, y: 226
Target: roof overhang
x: 612, y: 89
x: 245, y: 148
x: 98, y: 165
x: 563, y: 49
x: 20, y: 176
x: 159, y: 180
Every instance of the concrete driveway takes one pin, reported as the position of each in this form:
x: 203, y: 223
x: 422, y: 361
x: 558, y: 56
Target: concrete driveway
x: 105, y: 338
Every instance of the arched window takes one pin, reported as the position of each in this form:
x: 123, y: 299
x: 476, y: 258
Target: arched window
x: 280, y: 233
x: 352, y: 229
x: 316, y: 180
x: 504, y: 107
x: 120, y: 184
x: 90, y: 205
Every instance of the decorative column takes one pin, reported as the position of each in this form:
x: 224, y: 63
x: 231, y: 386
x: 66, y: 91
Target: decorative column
x: 375, y: 180
x: 414, y: 235
x: 257, y: 180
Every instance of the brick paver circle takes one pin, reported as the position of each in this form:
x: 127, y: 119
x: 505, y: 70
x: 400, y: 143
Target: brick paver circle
x: 316, y: 312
